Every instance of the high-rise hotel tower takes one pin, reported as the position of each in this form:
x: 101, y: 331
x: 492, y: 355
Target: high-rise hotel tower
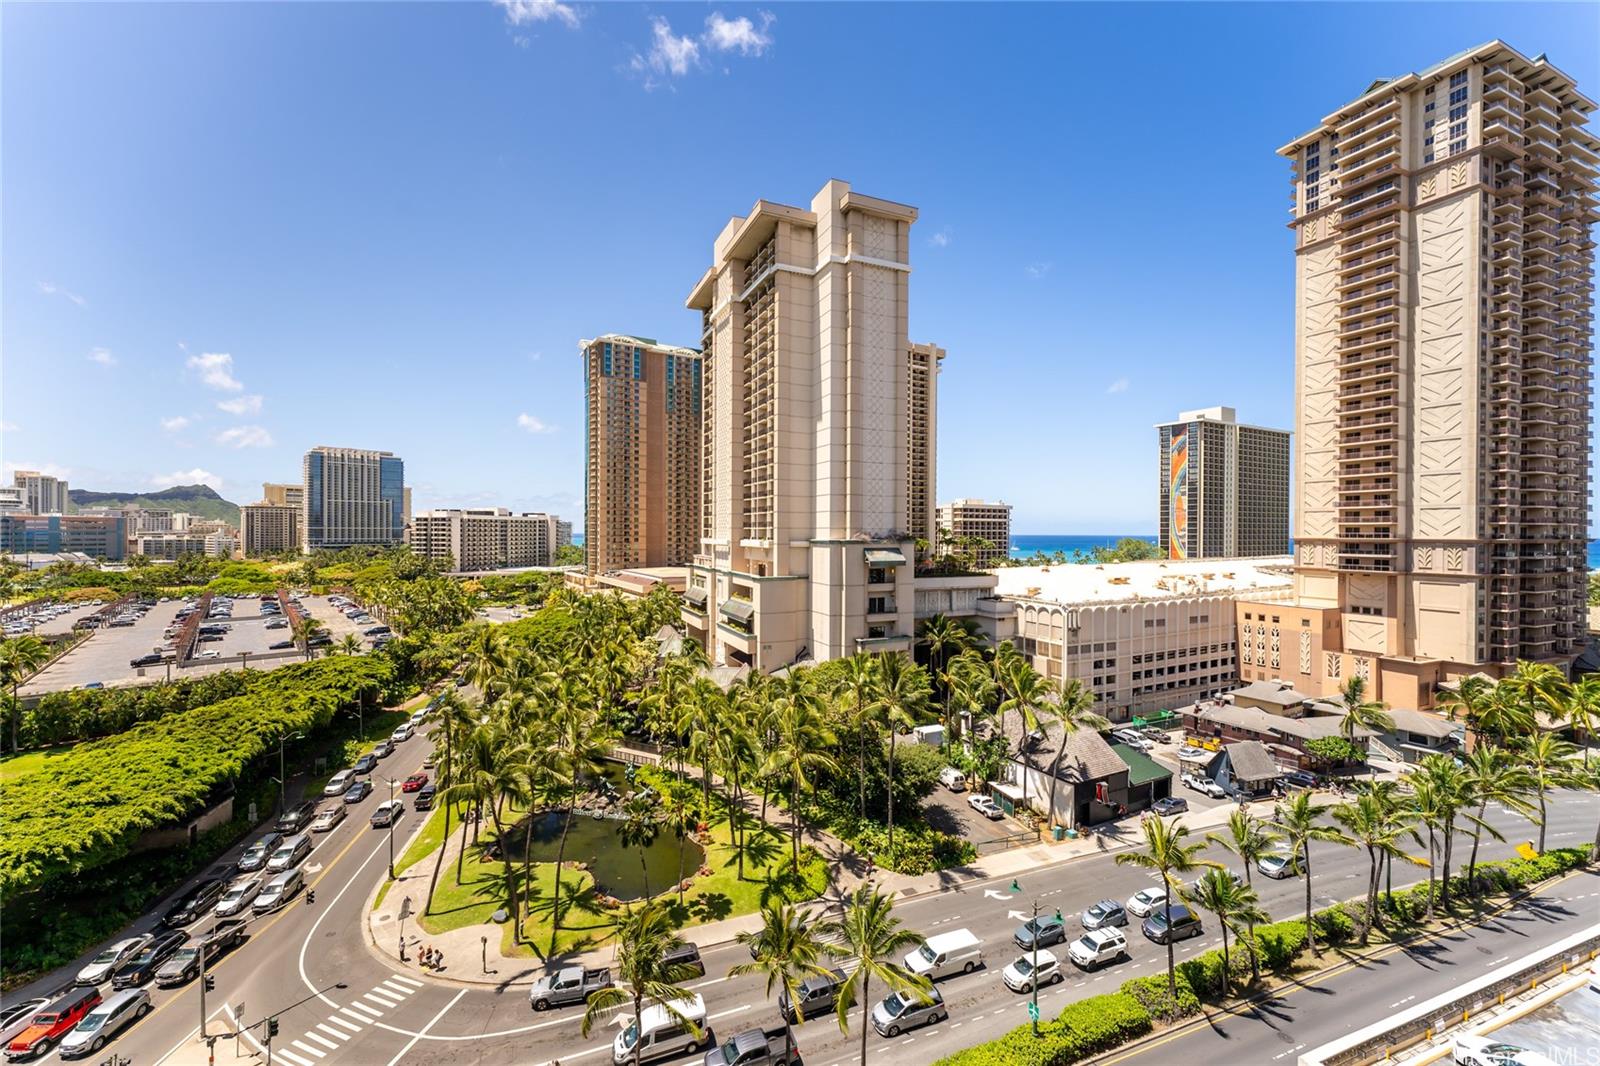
x: 1444, y: 263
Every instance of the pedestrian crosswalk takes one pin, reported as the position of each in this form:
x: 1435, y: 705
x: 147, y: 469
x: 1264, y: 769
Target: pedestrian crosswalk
x: 319, y: 1043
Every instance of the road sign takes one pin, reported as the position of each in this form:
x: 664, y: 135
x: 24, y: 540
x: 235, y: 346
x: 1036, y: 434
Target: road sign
x: 1033, y: 1012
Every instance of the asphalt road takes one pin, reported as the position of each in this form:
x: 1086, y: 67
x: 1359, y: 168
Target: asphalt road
x: 385, y: 1017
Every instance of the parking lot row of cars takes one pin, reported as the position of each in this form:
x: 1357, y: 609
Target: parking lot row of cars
x: 26, y: 621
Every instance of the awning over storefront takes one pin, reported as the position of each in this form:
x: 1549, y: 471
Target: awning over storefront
x: 738, y: 610
x: 885, y: 557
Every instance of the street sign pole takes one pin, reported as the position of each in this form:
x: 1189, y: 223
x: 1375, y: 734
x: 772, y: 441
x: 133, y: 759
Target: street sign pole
x: 1033, y: 1007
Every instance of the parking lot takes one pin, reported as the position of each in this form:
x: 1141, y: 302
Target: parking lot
x: 104, y: 656
x: 62, y: 625
x: 248, y: 640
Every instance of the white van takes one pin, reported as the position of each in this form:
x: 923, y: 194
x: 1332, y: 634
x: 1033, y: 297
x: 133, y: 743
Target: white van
x: 947, y: 953
x: 662, y: 1034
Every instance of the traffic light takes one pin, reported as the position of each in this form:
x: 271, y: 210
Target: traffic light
x: 311, y: 896
x: 211, y: 983
x: 272, y: 1028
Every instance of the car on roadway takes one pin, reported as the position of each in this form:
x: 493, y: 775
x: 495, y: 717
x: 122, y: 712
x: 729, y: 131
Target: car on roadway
x: 1301, y: 779
x: 1106, y: 913
x: 1026, y: 971
x: 1192, y: 753
x: 290, y: 853
x: 143, y: 966
x: 1043, y: 930
x: 898, y: 1011
x: 15, y: 1017
x: 153, y: 659
x: 387, y: 813
x: 328, y: 818
x: 280, y: 645
x: 103, y: 1023
x: 278, y: 891
x: 401, y: 734
x: 570, y: 984
x: 762, y: 1045
x: 663, y: 1034
x: 365, y: 765
x: 1146, y: 900
x: 238, y: 896
x: 257, y: 854
x: 1098, y: 946
x: 105, y: 963
x: 295, y: 818
x: 1169, y: 805
x: 52, y: 1023
x: 420, y: 715
x: 819, y: 995
x: 414, y: 783
x: 358, y: 791
x: 384, y: 749
x: 195, y: 902
x: 339, y: 783
x: 1471, y: 1050
x: 985, y: 806
x: 1180, y: 925
x: 1276, y: 865
x: 684, y: 955
x: 424, y: 800
x: 181, y: 968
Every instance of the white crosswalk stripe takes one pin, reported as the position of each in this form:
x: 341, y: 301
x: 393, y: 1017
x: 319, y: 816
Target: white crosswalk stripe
x: 308, y: 1049
x: 337, y: 1034
x: 360, y: 1006
x: 336, y: 1020
x: 413, y: 982
x: 348, y: 1013
x: 324, y: 1041
x: 289, y: 1056
x: 397, y: 988
x: 382, y: 1000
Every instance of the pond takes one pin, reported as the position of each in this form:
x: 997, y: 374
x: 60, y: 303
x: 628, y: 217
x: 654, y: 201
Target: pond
x: 595, y: 842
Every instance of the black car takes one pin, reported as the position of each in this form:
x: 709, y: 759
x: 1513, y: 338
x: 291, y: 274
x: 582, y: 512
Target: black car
x: 819, y: 995
x: 358, y: 791
x: 296, y: 818
x: 1301, y: 779
x: 145, y: 660
x: 1170, y: 805
x: 366, y: 764
x: 196, y: 902
x: 207, y: 638
x: 257, y: 854
x: 686, y: 955
x: 424, y: 800
x: 143, y: 966
x: 280, y: 645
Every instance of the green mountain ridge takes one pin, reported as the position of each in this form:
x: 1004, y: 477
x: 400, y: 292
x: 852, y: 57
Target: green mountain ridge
x: 199, y: 500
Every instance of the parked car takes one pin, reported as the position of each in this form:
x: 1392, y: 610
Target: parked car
x: 52, y: 1023
x: 943, y: 954
x: 1182, y: 924
x: 1032, y: 969
x: 1106, y: 913
x: 153, y: 659
x: 181, y: 968
x: 819, y: 995
x: 278, y: 623
x: 1192, y: 753
x: 1170, y: 805
x: 358, y: 791
x: 238, y: 896
x: 1277, y: 865
x: 195, y: 902
x: 401, y: 734
x: 1098, y: 946
x: 15, y: 1018
x: 953, y: 779
x: 985, y: 806
x: 570, y: 984
x: 366, y: 764
x: 295, y: 818
x: 424, y: 800
x: 290, y: 852
x: 1046, y: 929
x: 384, y: 749
x: 1132, y: 738
x: 143, y: 966
x: 280, y: 645
x: 663, y: 1034
x: 1146, y: 900
x: 387, y: 813
x: 688, y: 955
x: 414, y: 783
x: 328, y: 818
x: 107, y: 961
x: 1301, y: 779
x: 338, y: 783
x: 278, y: 891
x: 898, y: 1012
x: 1160, y: 736
x: 770, y: 1045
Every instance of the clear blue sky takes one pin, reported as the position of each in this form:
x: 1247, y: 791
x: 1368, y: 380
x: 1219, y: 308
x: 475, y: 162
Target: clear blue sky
x: 397, y: 220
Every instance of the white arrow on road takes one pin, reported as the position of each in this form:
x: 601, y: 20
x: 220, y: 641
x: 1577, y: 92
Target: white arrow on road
x: 1016, y: 916
x: 314, y: 868
x: 990, y: 893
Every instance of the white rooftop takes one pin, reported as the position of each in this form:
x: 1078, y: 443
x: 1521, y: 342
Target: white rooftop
x: 1152, y: 580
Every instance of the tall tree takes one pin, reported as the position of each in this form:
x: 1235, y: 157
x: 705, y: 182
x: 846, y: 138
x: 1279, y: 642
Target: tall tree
x: 1072, y: 712
x: 1169, y: 853
x: 944, y: 637
x: 1548, y: 760
x: 1359, y: 714
x: 1494, y: 776
x: 19, y: 658
x: 900, y: 694
x: 1249, y: 838
x: 641, y: 824
x: 1488, y: 710
x: 1375, y: 826
x: 1299, y: 822
x: 489, y: 775
x: 452, y: 718
x: 854, y: 687
x: 583, y: 739
x: 1233, y: 903
x: 868, y: 933
x: 784, y: 951
x: 644, y: 938
x: 800, y: 742
x: 1583, y: 708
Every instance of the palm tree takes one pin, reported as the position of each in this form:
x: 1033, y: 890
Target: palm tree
x: 1167, y: 852
x: 681, y: 817
x: 487, y: 658
x: 1583, y: 708
x: 1494, y: 776
x: 1026, y: 692
x: 1359, y: 714
x: 855, y: 685
x: 1450, y: 797
x: 1297, y: 821
x: 800, y: 739
x: 1071, y: 712
x: 349, y: 644
x: 644, y: 975
x: 1487, y: 710
x: 1218, y: 892
x: 785, y: 950
x: 901, y: 692
x: 1548, y: 761
x: 489, y: 776
x: 639, y: 829
x: 453, y: 718
x: 943, y: 636
x: 1538, y: 689
x: 583, y: 740
x: 870, y: 934
x: 1251, y: 840
x: 19, y: 658
x: 971, y: 684
x: 304, y: 630
x: 1375, y: 825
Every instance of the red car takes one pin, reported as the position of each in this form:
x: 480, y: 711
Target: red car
x: 52, y: 1023
x: 414, y: 782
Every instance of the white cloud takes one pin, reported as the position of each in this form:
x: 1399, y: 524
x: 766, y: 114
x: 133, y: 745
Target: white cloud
x: 216, y: 371
x: 940, y: 239
x: 669, y: 53
x: 533, y: 425
x: 1119, y: 385
x: 50, y: 288
x: 242, y: 405
x: 187, y: 477
x: 176, y: 423
x: 9, y: 427
x: 523, y: 12
x: 102, y: 356
x: 738, y: 35
x: 1038, y: 270
x: 245, y: 437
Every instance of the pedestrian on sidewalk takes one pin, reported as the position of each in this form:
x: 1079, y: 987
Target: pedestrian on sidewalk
x: 438, y: 960
x: 403, y: 948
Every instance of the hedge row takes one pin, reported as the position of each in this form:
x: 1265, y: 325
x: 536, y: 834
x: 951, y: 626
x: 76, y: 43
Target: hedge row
x: 88, y: 806
x: 84, y: 714
x: 1100, y: 1023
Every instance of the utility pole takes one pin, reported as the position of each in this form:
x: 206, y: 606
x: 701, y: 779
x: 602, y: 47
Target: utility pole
x: 283, y: 779
x: 394, y: 816
x: 1033, y: 985
x: 205, y: 982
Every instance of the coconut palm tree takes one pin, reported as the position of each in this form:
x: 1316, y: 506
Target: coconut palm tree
x: 349, y: 644
x: 869, y: 934
x: 1072, y: 711
x: 303, y: 630
x: 1376, y: 826
x: 785, y: 951
x: 1359, y: 714
x: 1026, y: 692
x: 1494, y: 776
x: 644, y: 937
x: 1450, y: 799
x: 1548, y: 760
x: 486, y: 658
x: 900, y: 695
x: 1234, y: 904
x: 452, y: 718
x: 1298, y: 823
x: 854, y: 688
x: 641, y: 824
x: 1168, y: 852
x: 19, y: 658
x: 1538, y: 689
x: 800, y: 742
x: 1488, y: 710
x: 583, y: 740
x: 680, y: 816
x: 1250, y: 839
x: 489, y: 774
x: 1583, y: 708
x: 972, y: 687
x: 944, y: 637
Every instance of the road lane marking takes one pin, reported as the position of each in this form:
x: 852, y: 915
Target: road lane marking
x: 352, y: 1026
x: 338, y: 1034
x: 308, y: 1049
x: 363, y: 1019
x: 285, y: 1053
x: 431, y: 1022
x: 403, y: 979
x: 707, y: 984
x: 396, y: 989
x: 382, y: 1001
x: 360, y: 1006
x: 324, y: 1041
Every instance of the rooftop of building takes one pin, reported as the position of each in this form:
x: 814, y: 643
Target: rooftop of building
x: 968, y: 501
x: 1277, y: 693
x: 648, y: 342
x: 1220, y: 415
x: 1072, y: 583
x: 1268, y: 724
x: 1086, y: 755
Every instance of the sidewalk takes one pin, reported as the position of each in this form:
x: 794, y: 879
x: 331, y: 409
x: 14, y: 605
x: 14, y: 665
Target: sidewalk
x: 472, y: 953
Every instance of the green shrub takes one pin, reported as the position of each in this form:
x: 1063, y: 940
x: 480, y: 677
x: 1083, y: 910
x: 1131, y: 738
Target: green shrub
x: 1204, y: 971
x: 1334, y: 925
x: 1280, y: 944
x: 1084, y: 1028
x: 1153, y: 995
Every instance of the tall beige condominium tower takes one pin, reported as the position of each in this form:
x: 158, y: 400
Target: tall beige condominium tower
x: 1224, y: 487
x: 41, y: 493
x: 1443, y: 271
x: 804, y: 548
x: 279, y: 495
x: 268, y: 529
x: 642, y: 470
x: 978, y: 520
x: 922, y: 441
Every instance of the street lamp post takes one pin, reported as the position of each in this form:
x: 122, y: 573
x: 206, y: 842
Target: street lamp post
x: 393, y: 817
x: 283, y: 779
x: 1033, y: 983
x: 270, y: 1022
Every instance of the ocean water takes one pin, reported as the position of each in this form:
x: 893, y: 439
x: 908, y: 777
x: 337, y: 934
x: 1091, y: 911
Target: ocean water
x: 1026, y: 544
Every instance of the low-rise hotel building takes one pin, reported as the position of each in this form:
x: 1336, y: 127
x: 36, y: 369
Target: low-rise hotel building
x: 484, y: 538
x: 97, y: 536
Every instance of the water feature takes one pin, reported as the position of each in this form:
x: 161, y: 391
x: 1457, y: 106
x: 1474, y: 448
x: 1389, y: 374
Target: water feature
x: 594, y: 841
